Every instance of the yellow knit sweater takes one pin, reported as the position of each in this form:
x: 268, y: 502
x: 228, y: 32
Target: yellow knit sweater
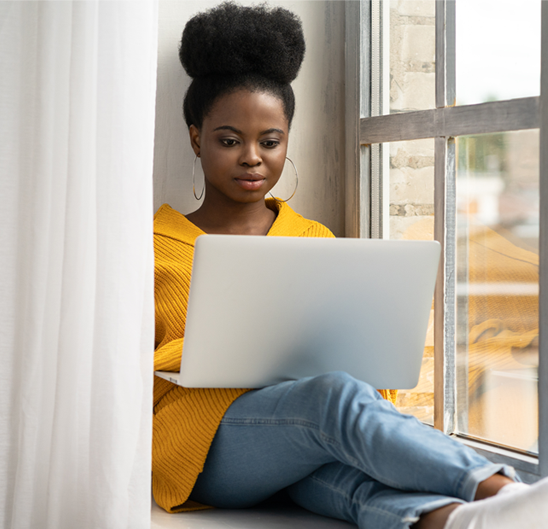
x: 185, y: 420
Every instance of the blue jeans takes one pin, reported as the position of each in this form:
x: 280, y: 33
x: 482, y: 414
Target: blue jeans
x: 340, y: 450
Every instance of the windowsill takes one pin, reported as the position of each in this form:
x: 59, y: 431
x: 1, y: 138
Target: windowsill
x: 267, y: 517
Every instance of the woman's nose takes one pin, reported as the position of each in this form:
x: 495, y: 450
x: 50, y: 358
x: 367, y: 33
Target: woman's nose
x: 250, y: 156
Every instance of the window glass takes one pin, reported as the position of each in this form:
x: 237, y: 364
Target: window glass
x: 412, y: 55
x: 411, y: 216
x: 497, y: 287
x: 497, y: 50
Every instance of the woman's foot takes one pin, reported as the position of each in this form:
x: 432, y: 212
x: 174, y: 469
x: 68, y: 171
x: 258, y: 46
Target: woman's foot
x: 515, y: 506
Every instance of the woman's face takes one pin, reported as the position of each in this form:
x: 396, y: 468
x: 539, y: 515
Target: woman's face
x: 242, y: 145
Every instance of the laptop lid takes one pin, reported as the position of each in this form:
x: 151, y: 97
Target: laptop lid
x: 262, y: 310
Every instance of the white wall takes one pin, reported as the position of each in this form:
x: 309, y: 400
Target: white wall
x: 317, y: 135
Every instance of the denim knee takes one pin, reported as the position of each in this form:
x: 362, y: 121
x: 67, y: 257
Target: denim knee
x: 341, y: 386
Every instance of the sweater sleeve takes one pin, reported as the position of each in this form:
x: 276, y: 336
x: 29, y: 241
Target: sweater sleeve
x: 389, y: 394
x: 168, y: 356
x: 318, y: 230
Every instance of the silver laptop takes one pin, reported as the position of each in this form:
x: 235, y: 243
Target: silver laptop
x: 263, y: 310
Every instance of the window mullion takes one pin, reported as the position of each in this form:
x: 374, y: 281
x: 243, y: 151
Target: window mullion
x: 543, y: 250
x: 483, y: 118
x: 444, y: 297
x: 445, y: 54
x: 376, y: 110
x: 357, y: 99
x: 444, y: 228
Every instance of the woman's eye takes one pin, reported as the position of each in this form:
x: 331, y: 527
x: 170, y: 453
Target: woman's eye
x: 229, y: 142
x: 270, y: 144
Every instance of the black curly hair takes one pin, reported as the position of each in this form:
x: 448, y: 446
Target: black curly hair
x: 231, y: 47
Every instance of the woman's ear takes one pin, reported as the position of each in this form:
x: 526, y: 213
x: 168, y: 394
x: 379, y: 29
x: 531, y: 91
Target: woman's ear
x: 194, y: 134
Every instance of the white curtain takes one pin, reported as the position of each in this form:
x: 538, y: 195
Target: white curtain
x: 77, y: 98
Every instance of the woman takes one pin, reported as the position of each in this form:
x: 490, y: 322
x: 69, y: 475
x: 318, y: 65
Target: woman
x: 332, y: 442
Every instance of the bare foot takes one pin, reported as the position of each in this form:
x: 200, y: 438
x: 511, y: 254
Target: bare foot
x: 491, y: 486
x: 438, y: 518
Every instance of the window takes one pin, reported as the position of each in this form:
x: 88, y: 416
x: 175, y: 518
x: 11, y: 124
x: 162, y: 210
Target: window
x: 445, y: 100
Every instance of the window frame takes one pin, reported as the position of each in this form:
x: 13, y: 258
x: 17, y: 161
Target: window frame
x: 368, y: 132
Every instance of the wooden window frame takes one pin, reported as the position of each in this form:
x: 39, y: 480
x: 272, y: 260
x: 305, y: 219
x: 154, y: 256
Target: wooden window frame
x: 368, y: 131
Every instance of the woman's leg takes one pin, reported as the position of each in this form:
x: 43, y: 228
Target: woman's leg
x: 343, y: 492
x: 340, y: 491
x: 274, y: 437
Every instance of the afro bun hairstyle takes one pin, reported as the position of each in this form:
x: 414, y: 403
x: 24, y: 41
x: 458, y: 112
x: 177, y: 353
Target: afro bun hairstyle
x: 231, y: 47
x: 232, y: 39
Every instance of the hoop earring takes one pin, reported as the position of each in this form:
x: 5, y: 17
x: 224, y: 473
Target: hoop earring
x: 296, y: 182
x: 193, y: 182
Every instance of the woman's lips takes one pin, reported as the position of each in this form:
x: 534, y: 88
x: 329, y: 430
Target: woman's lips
x: 250, y: 182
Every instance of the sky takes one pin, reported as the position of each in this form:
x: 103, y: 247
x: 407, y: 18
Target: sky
x: 497, y: 49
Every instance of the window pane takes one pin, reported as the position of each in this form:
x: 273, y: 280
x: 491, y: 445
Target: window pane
x: 412, y: 217
x: 497, y: 287
x: 497, y: 50
x: 412, y: 55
